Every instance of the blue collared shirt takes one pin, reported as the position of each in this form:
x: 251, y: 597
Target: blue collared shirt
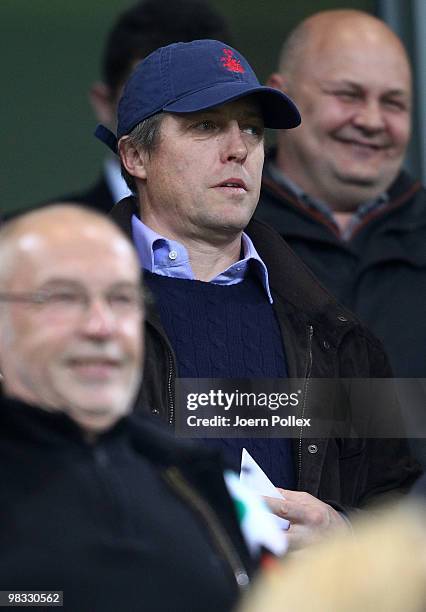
x: 165, y: 257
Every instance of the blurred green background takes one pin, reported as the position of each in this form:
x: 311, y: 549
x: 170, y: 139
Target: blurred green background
x: 51, y: 52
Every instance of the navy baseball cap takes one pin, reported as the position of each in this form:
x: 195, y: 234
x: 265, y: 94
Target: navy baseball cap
x: 194, y: 76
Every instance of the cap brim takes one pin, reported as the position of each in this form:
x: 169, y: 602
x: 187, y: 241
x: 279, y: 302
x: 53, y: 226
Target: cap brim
x: 278, y: 110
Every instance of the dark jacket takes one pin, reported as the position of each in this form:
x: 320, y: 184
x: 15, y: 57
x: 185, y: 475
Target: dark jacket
x: 322, y: 340
x: 96, y: 196
x: 379, y: 274
x: 135, y: 521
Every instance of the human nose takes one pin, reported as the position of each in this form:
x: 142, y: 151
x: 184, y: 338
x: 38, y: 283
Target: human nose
x: 369, y: 116
x: 98, y: 319
x: 234, y: 146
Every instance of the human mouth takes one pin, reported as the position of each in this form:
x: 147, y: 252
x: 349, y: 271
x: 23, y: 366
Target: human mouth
x: 363, y: 145
x: 232, y: 185
x: 92, y: 369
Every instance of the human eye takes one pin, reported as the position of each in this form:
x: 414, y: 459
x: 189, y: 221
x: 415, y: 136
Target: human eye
x: 395, y: 104
x: 346, y: 95
x: 253, y: 129
x: 125, y: 299
x: 205, y: 125
x: 61, y: 301
x: 58, y: 297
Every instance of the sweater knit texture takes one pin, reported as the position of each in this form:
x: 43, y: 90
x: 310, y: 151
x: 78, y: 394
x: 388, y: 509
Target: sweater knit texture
x: 227, y: 331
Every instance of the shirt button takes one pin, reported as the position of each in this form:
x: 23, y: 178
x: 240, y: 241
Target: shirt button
x: 312, y: 448
x: 172, y: 255
x: 242, y: 578
x: 155, y: 411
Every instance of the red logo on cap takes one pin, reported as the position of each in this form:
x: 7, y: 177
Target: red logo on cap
x: 230, y: 62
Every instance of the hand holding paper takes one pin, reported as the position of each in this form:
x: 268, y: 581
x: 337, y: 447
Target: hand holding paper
x: 255, y: 479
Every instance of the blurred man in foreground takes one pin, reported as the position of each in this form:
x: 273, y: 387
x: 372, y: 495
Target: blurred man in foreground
x: 109, y: 509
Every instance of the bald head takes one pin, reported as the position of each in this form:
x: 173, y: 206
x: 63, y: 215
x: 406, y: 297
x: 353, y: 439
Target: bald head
x: 351, y: 80
x: 58, y: 226
x: 334, y: 28
x: 71, y: 333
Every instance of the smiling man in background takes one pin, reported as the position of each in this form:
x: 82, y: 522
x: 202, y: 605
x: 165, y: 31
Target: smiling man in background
x: 335, y: 189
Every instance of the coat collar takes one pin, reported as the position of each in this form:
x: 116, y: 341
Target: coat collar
x: 293, y: 283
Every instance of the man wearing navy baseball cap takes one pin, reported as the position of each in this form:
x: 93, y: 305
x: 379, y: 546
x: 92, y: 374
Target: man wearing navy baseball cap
x: 232, y: 300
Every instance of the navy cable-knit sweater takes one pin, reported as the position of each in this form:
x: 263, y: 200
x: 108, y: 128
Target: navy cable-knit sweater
x: 227, y: 331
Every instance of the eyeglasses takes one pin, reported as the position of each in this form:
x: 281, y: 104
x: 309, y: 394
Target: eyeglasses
x: 72, y: 302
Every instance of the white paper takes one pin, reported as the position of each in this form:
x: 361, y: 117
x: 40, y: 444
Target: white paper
x: 255, y: 479
x: 257, y: 524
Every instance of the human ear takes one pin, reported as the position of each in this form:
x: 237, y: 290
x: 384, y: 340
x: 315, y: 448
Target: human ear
x: 134, y: 159
x: 103, y: 103
x: 277, y: 81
